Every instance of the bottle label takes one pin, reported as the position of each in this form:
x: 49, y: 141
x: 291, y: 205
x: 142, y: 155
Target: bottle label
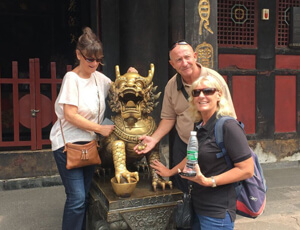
x: 192, y: 155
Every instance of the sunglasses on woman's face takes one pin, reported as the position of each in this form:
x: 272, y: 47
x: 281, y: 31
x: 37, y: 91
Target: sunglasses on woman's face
x: 90, y: 60
x: 206, y: 92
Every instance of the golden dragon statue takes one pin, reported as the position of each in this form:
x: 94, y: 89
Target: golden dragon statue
x: 132, y: 98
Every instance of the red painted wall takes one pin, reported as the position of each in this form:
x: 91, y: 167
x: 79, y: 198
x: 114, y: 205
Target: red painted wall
x: 243, y: 95
x: 240, y: 61
x: 285, y: 104
x: 287, y: 62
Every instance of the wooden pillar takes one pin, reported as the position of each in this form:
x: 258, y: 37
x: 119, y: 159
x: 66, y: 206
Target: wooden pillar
x: 135, y: 33
x: 109, y: 33
x: 176, y: 25
x: 265, y: 80
x: 199, y: 28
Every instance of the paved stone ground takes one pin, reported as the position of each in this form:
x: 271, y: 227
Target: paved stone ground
x: 41, y: 208
x: 32, y: 209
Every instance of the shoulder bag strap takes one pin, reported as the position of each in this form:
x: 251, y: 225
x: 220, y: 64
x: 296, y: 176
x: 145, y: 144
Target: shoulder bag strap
x: 62, y: 133
x: 98, y: 94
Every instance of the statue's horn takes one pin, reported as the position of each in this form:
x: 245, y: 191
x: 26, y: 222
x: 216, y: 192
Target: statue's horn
x: 156, y: 96
x: 150, y: 74
x: 117, y: 71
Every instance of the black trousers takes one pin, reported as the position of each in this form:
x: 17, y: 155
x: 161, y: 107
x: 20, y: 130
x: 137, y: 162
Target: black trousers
x: 178, y: 153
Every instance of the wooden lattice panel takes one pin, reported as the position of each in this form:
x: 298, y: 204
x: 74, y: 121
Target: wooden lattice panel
x: 283, y: 20
x: 237, y: 23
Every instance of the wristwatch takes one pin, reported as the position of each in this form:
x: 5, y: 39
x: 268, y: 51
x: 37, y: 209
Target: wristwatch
x: 214, y: 182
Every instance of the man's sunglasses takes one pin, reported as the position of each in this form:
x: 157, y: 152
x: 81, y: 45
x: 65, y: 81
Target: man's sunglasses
x: 206, y: 92
x: 90, y: 60
x: 180, y: 42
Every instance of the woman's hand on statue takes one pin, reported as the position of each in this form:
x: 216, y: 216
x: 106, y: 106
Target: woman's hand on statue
x: 147, y: 143
x: 160, y: 169
x: 106, y: 130
x: 132, y: 70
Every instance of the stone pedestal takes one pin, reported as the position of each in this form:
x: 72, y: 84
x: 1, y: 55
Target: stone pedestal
x: 144, y: 210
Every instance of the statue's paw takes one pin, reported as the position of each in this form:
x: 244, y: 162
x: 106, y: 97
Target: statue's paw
x: 141, y: 166
x: 102, y: 171
x: 118, y: 177
x: 170, y: 184
x: 161, y: 183
x: 154, y: 185
x: 131, y: 176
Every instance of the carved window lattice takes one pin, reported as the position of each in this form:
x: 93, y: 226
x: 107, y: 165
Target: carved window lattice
x: 237, y: 23
x: 283, y: 19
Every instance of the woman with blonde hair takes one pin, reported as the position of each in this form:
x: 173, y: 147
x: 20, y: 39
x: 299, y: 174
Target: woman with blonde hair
x: 213, y: 193
x: 224, y: 107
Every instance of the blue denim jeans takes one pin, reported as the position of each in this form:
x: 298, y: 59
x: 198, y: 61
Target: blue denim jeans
x: 210, y: 223
x: 77, y: 184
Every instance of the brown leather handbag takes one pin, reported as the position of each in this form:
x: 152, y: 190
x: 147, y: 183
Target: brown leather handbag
x: 82, y: 155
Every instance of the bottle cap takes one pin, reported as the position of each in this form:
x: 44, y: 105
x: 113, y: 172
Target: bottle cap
x: 193, y: 133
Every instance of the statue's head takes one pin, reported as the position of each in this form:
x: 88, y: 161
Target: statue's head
x: 133, y: 95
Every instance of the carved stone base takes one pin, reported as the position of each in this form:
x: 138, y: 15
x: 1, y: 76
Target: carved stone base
x: 144, y: 210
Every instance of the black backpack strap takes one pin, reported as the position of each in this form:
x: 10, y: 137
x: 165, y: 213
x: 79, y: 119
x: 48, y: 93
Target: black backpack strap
x: 220, y: 140
x: 180, y: 86
x: 219, y: 135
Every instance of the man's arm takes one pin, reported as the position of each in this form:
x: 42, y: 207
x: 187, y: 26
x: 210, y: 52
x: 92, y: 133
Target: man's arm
x: 164, y: 127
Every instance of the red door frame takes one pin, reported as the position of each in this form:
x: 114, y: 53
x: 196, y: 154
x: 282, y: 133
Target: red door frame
x: 36, y: 101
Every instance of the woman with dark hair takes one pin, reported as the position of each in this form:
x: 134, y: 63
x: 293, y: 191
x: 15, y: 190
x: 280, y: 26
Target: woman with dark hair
x: 79, y: 106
